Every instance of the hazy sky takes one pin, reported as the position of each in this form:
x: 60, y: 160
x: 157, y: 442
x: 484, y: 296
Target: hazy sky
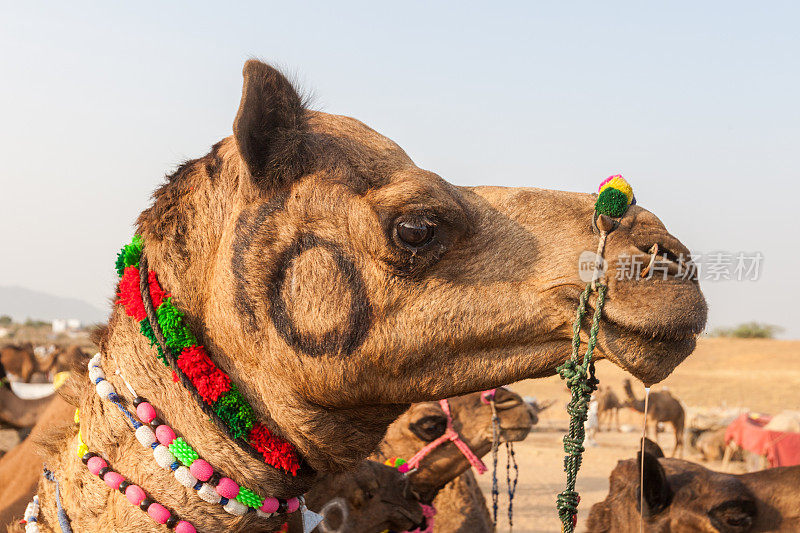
x: 695, y: 102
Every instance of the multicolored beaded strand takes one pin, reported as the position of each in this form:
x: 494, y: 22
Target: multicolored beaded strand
x: 135, y: 494
x: 31, y: 516
x: 217, y: 395
x: 176, y: 454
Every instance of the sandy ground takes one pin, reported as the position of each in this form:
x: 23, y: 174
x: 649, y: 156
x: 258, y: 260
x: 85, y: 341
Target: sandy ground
x: 762, y: 375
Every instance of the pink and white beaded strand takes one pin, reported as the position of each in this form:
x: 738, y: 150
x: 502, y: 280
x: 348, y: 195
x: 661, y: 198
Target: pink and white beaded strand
x: 170, y: 451
x: 135, y: 494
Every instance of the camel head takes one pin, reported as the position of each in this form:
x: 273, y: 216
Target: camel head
x: 678, y: 496
x: 337, y: 282
x: 472, y: 420
x: 537, y: 407
x: 370, y: 498
x: 630, y: 397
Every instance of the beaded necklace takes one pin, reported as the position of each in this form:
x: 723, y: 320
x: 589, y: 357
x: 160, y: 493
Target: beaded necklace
x: 143, y: 298
x: 135, y: 494
x: 174, y: 453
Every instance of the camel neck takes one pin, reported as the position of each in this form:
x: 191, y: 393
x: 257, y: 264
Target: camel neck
x: 92, y: 505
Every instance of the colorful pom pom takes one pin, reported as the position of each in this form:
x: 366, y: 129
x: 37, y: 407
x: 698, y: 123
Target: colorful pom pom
x: 128, y: 294
x: 611, y: 202
x: 175, y: 331
x: 129, y: 254
x: 276, y: 451
x: 147, y: 330
x: 234, y: 410
x: 210, y: 381
x: 615, y: 196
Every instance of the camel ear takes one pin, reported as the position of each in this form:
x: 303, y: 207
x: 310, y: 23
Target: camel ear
x: 657, y: 494
x: 652, y: 448
x: 269, y: 124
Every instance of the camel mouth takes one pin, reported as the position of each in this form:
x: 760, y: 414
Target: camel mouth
x: 649, y: 327
x: 514, y: 434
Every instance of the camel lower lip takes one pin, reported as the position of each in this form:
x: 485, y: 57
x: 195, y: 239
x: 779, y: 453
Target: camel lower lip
x: 647, y: 356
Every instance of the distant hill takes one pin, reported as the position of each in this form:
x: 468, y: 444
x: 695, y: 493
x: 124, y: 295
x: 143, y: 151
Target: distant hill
x: 20, y: 304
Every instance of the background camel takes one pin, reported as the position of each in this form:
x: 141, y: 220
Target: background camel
x: 333, y: 280
x: 686, y: 497
x: 460, y: 504
x: 608, y: 406
x: 537, y: 407
x: 17, y: 412
x: 369, y: 499
x: 662, y: 408
x: 21, y: 468
x: 20, y: 361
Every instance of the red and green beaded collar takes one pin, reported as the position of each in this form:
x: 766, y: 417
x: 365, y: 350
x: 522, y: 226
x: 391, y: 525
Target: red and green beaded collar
x: 213, y: 388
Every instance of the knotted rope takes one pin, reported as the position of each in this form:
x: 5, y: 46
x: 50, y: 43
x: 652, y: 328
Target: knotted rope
x: 63, y: 519
x: 614, y: 197
x: 582, y: 382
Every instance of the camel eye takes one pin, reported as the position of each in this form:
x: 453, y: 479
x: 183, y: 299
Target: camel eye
x: 414, y: 233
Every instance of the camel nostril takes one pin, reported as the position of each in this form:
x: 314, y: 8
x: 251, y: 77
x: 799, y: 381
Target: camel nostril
x: 665, y: 262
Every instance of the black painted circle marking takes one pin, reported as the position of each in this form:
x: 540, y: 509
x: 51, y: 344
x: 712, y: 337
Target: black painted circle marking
x: 331, y: 342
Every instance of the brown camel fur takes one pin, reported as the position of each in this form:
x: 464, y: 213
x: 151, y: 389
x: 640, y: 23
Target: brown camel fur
x: 66, y: 358
x: 19, y: 360
x: 336, y: 283
x: 461, y: 507
x: 18, y: 412
x: 662, y: 408
x: 685, y: 497
x: 472, y: 420
x: 608, y: 406
x: 370, y: 499
x: 21, y: 468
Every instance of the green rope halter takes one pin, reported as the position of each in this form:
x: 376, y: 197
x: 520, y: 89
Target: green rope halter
x: 615, y: 195
x: 582, y: 383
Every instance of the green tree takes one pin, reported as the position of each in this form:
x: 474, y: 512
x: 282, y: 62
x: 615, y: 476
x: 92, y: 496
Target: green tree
x: 6, y: 320
x: 749, y: 330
